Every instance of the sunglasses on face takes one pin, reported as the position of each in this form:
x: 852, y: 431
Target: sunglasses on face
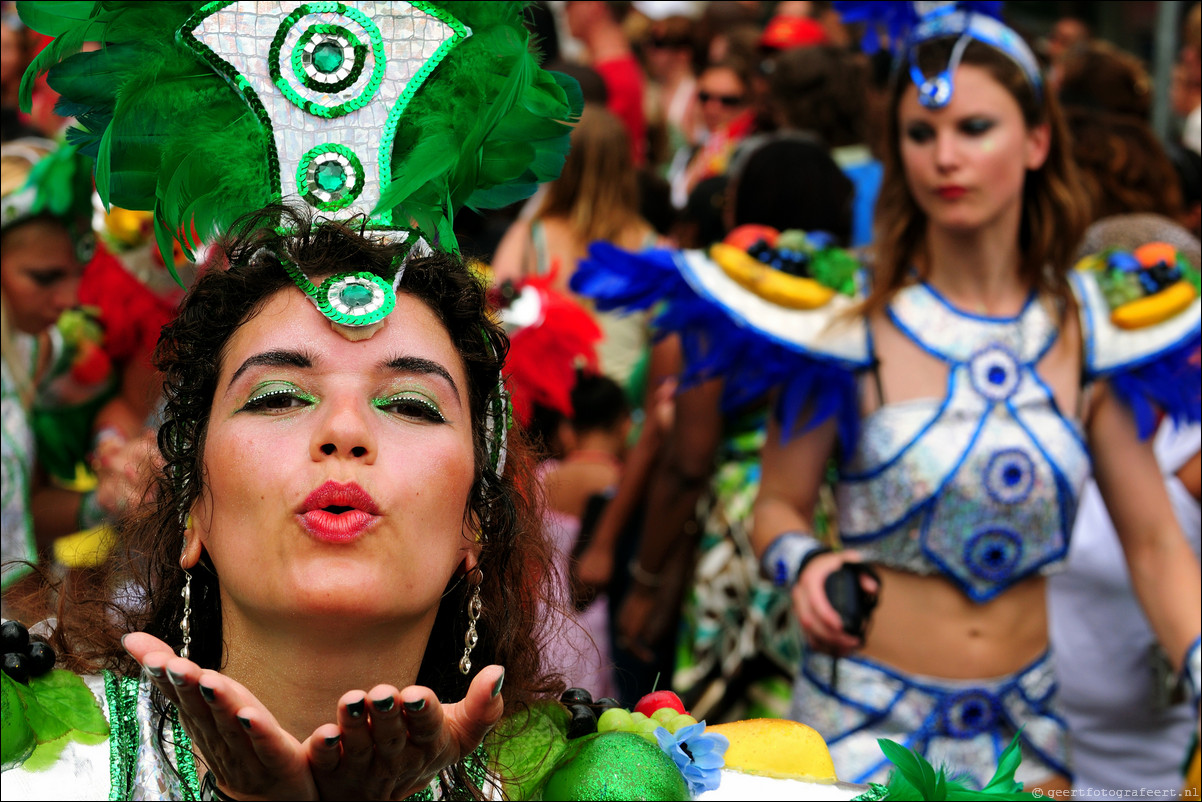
x: 667, y: 43
x: 730, y: 101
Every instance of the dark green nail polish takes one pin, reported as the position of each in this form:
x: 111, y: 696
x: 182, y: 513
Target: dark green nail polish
x: 245, y: 722
x: 155, y: 672
x: 356, y: 709
x: 415, y: 707
x: 207, y: 693
x: 383, y: 705
x: 332, y: 740
x: 496, y: 689
x: 178, y: 680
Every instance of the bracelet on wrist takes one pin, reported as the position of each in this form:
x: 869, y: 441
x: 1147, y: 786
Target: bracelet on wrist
x: 788, y: 555
x: 644, y: 577
x: 1191, y: 671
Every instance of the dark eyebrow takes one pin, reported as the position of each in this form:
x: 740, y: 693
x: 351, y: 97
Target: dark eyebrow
x: 280, y: 358
x: 415, y: 364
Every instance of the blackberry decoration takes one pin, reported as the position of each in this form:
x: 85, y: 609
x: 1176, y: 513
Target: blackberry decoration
x: 583, y: 721
x: 576, y: 696
x: 40, y: 658
x: 14, y: 636
x: 24, y: 658
x: 15, y: 667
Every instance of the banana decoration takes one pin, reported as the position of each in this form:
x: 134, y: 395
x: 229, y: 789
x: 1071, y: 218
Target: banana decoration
x: 1144, y: 287
x: 771, y: 284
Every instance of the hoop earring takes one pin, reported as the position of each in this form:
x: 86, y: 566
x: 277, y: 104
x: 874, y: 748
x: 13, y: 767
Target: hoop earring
x: 473, y: 614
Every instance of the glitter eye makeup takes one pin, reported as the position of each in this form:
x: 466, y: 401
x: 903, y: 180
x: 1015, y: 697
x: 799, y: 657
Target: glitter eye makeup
x: 411, y: 404
x: 276, y: 397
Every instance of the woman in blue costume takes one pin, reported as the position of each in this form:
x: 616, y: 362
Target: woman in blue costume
x: 967, y: 388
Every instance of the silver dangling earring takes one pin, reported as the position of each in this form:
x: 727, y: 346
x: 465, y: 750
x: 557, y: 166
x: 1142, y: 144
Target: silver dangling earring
x: 185, y: 625
x: 473, y: 614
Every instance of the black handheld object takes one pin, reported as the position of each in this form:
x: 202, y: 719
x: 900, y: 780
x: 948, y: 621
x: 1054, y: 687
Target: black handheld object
x: 853, y: 604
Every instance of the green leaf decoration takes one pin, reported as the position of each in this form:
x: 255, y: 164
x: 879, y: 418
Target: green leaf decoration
x: 65, y: 697
x: 17, y: 741
x: 49, y: 713
x: 527, y: 746
x: 914, y: 778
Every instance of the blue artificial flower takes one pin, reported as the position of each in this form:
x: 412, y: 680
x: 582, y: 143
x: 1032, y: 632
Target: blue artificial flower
x: 699, y: 756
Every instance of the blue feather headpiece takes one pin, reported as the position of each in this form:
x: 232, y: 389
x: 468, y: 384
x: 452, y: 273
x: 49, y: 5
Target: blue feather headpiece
x: 908, y: 25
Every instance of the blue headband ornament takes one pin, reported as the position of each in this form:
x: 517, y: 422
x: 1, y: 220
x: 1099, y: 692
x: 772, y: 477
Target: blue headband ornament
x: 908, y: 25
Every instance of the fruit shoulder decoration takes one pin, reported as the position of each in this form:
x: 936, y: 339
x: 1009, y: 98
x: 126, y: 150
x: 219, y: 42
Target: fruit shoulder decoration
x: 1146, y: 286
x: 792, y: 269
x: 44, y: 708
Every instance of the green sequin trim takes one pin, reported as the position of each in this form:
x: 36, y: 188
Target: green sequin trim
x: 359, y: 54
x: 320, y: 296
x: 124, y: 740
x: 875, y: 792
x: 240, y: 84
x: 379, y: 61
x: 340, y: 199
x: 415, y: 83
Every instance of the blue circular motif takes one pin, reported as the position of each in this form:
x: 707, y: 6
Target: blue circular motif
x: 993, y: 554
x: 994, y: 372
x: 1009, y: 476
x: 935, y: 92
x: 969, y: 713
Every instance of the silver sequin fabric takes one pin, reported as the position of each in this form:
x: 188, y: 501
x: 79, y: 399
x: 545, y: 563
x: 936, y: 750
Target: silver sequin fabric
x: 982, y: 485
x: 242, y: 33
x: 963, y: 724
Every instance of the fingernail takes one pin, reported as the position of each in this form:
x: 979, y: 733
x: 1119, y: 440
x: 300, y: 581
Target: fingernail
x: 245, y: 722
x: 155, y: 672
x: 496, y: 689
x: 415, y: 707
x: 332, y: 740
x: 207, y: 693
x: 383, y: 705
x: 356, y: 709
x: 123, y: 637
x: 178, y: 680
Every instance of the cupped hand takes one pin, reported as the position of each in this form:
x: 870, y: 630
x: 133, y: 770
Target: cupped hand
x: 391, y: 744
x: 250, y: 755
x: 819, y: 620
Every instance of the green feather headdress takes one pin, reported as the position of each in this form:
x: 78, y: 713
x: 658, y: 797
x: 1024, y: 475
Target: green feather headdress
x: 201, y: 111
x: 59, y: 184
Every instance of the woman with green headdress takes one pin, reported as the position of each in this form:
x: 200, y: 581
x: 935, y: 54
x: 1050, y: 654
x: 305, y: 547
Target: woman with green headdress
x: 333, y: 578
x: 46, y: 238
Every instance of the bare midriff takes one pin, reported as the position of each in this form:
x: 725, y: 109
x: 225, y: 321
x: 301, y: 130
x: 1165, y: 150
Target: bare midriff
x: 926, y: 625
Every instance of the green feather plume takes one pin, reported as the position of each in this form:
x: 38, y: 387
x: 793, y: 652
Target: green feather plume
x: 914, y: 778
x: 170, y: 135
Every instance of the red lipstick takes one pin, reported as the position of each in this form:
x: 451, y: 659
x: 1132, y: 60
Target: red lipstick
x: 951, y: 192
x: 338, y: 513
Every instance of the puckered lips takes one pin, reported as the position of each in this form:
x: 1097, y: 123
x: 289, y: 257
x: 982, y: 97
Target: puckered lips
x: 338, y: 513
x: 952, y: 191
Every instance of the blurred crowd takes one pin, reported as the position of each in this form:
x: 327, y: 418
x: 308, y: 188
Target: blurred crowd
x: 700, y: 118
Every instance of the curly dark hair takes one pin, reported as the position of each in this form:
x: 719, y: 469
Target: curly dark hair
x: 514, y: 556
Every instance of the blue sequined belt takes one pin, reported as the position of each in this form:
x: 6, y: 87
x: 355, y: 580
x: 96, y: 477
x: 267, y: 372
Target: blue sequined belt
x: 964, y: 724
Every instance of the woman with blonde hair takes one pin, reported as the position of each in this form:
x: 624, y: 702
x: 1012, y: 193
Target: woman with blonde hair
x: 596, y: 198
